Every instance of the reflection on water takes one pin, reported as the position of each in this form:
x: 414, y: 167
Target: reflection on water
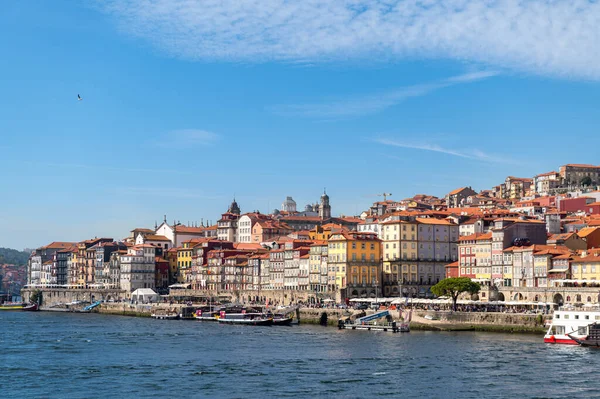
x: 88, y: 355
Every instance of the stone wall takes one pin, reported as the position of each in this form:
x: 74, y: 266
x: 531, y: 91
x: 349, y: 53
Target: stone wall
x: 59, y: 296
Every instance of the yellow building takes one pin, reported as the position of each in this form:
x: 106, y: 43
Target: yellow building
x: 323, y: 233
x: 184, y: 262
x: 483, y: 258
x: 399, y: 249
x: 586, y: 266
x: 354, y: 262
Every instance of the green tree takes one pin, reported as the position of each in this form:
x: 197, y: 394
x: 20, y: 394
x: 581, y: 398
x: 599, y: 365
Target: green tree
x: 586, y: 181
x: 455, y: 286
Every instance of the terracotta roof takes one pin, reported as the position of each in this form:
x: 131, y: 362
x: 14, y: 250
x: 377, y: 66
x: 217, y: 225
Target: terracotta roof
x: 435, y: 221
x: 246, y: 246
x: 581, y: 165
x: 458, y: 190
x: 59, y: 245
x: 154, y: 237
x: 586, y: 231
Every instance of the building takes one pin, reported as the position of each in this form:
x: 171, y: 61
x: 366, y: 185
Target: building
x: 458, y: 197
x: 504, y: 234
x: 178, y: 233
x: 37, y: 274
x: 324, y: 207
x: 266, y: 230
x: 289, y: 205
x: 138, y: 268
x: 591, y: 236
x: 575, y: 175
x: 246, y: 223
x: 546, y: 183
x: 355, y: 262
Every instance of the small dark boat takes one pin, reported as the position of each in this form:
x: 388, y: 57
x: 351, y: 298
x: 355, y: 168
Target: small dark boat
x: 592, y: 339
x: 282, y: 320
x: 31, y: 307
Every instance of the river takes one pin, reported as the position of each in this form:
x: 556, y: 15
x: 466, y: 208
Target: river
x: 66, y: 355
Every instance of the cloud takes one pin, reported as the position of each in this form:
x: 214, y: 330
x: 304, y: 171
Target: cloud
x: 185, y: 138
x: 545, y: 37
x: 374, y: 103
x: 473, y: 154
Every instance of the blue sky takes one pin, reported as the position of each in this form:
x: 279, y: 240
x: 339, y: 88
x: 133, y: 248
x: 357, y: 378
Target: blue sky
x: 188, y: 103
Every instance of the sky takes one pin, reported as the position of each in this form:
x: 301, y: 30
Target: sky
x: 187, y: 104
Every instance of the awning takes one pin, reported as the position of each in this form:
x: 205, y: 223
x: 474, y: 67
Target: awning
x: 180, y: 286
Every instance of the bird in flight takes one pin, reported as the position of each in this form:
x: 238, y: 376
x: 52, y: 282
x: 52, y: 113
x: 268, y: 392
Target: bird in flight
x: 79, y: 98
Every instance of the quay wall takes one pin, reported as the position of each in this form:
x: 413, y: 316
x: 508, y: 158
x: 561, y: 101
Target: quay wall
x: 52, y: 297
x: 479, y: 321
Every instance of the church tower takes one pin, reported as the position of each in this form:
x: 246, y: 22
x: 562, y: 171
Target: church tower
x: 234, y: 208
x: 324, y: 207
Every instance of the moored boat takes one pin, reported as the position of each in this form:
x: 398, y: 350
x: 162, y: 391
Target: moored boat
x: 282, y: 320
x: 570, y: 325
x: 32, y: 307
x: 592, y: 339
x: 162, y: 314
x: 12, y: 306
x: 207, y: 314
x: 244, y: 318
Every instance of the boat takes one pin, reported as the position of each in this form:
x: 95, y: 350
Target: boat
x: 165, y: 314
x: 245, y: 318
x: 372, y: 323
x: 282, y: 320
x: 592, y: 339
x: 32, y: 307
x: 207, y: 313
x: 12, y: 306
x: 571, y: 324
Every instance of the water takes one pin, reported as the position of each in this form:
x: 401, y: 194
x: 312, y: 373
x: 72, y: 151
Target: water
x: 63, y: 355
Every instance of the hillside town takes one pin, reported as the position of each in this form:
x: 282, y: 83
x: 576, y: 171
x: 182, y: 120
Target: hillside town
x: 526, y: 239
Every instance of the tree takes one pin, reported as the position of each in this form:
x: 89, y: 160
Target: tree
x: 586, y: 181
x: 455, y: 286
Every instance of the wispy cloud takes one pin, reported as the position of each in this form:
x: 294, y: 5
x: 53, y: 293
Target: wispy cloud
x: 473, y: 154
x: 541, y: 37
x: 186, y: 138
x: 375, y: 102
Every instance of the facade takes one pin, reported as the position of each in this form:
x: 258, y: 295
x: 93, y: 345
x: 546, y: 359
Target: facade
x: 138, y: 268
x: 572, y: 175
x: 38, y: 271
x: 355, y: 262
x: 546, y: 183
x: 289, y: 205
x: 246, y: 223
x: 457, y: 198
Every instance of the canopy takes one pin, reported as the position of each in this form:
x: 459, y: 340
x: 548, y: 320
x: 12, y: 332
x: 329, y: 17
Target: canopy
x: 145, y: 295
x: 180, y: 286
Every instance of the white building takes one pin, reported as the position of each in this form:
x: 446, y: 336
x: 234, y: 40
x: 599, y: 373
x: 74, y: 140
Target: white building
x: 138, y: 268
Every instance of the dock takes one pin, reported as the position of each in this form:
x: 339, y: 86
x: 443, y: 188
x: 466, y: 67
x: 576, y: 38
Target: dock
x: 371, y: 323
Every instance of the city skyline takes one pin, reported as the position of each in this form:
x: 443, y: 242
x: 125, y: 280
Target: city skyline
x: 172, y: 123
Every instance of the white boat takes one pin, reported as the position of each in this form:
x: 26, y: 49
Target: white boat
x: 250, y: 319
x: 162, y: 314
x: 571, y: 321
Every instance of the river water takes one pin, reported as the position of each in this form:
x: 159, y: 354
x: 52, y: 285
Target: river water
x: 66, y: 355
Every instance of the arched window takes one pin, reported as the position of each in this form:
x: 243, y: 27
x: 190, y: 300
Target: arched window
x: 589, y: 299
x: 568, y: 299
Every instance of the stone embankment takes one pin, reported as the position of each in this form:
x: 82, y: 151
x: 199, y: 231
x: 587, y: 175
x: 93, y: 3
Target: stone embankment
x: 476, y: 321
x: 420, y: 320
